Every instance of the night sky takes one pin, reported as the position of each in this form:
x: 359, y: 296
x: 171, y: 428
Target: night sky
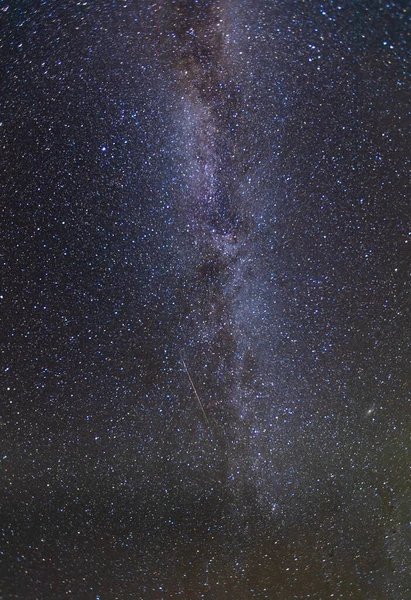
x: 204, y: 289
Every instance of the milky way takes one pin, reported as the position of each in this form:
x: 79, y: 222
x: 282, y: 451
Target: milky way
x: 205, y: 300
x: 224, y: 336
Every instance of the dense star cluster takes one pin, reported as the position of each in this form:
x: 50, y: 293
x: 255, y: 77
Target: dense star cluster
x: 205, y: 320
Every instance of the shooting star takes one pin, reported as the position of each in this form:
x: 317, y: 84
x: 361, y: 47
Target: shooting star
x: 194, y: 389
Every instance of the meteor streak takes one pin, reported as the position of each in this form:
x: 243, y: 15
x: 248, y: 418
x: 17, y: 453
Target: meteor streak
x: 194, y: 388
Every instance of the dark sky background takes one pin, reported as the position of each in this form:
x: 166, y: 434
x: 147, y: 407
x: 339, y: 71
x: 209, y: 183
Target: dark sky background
x: 205, y: 320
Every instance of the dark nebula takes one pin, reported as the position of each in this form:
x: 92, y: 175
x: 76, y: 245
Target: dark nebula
x: 205, y: 246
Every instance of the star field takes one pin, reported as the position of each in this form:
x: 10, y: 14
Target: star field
x: 204, y: 291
